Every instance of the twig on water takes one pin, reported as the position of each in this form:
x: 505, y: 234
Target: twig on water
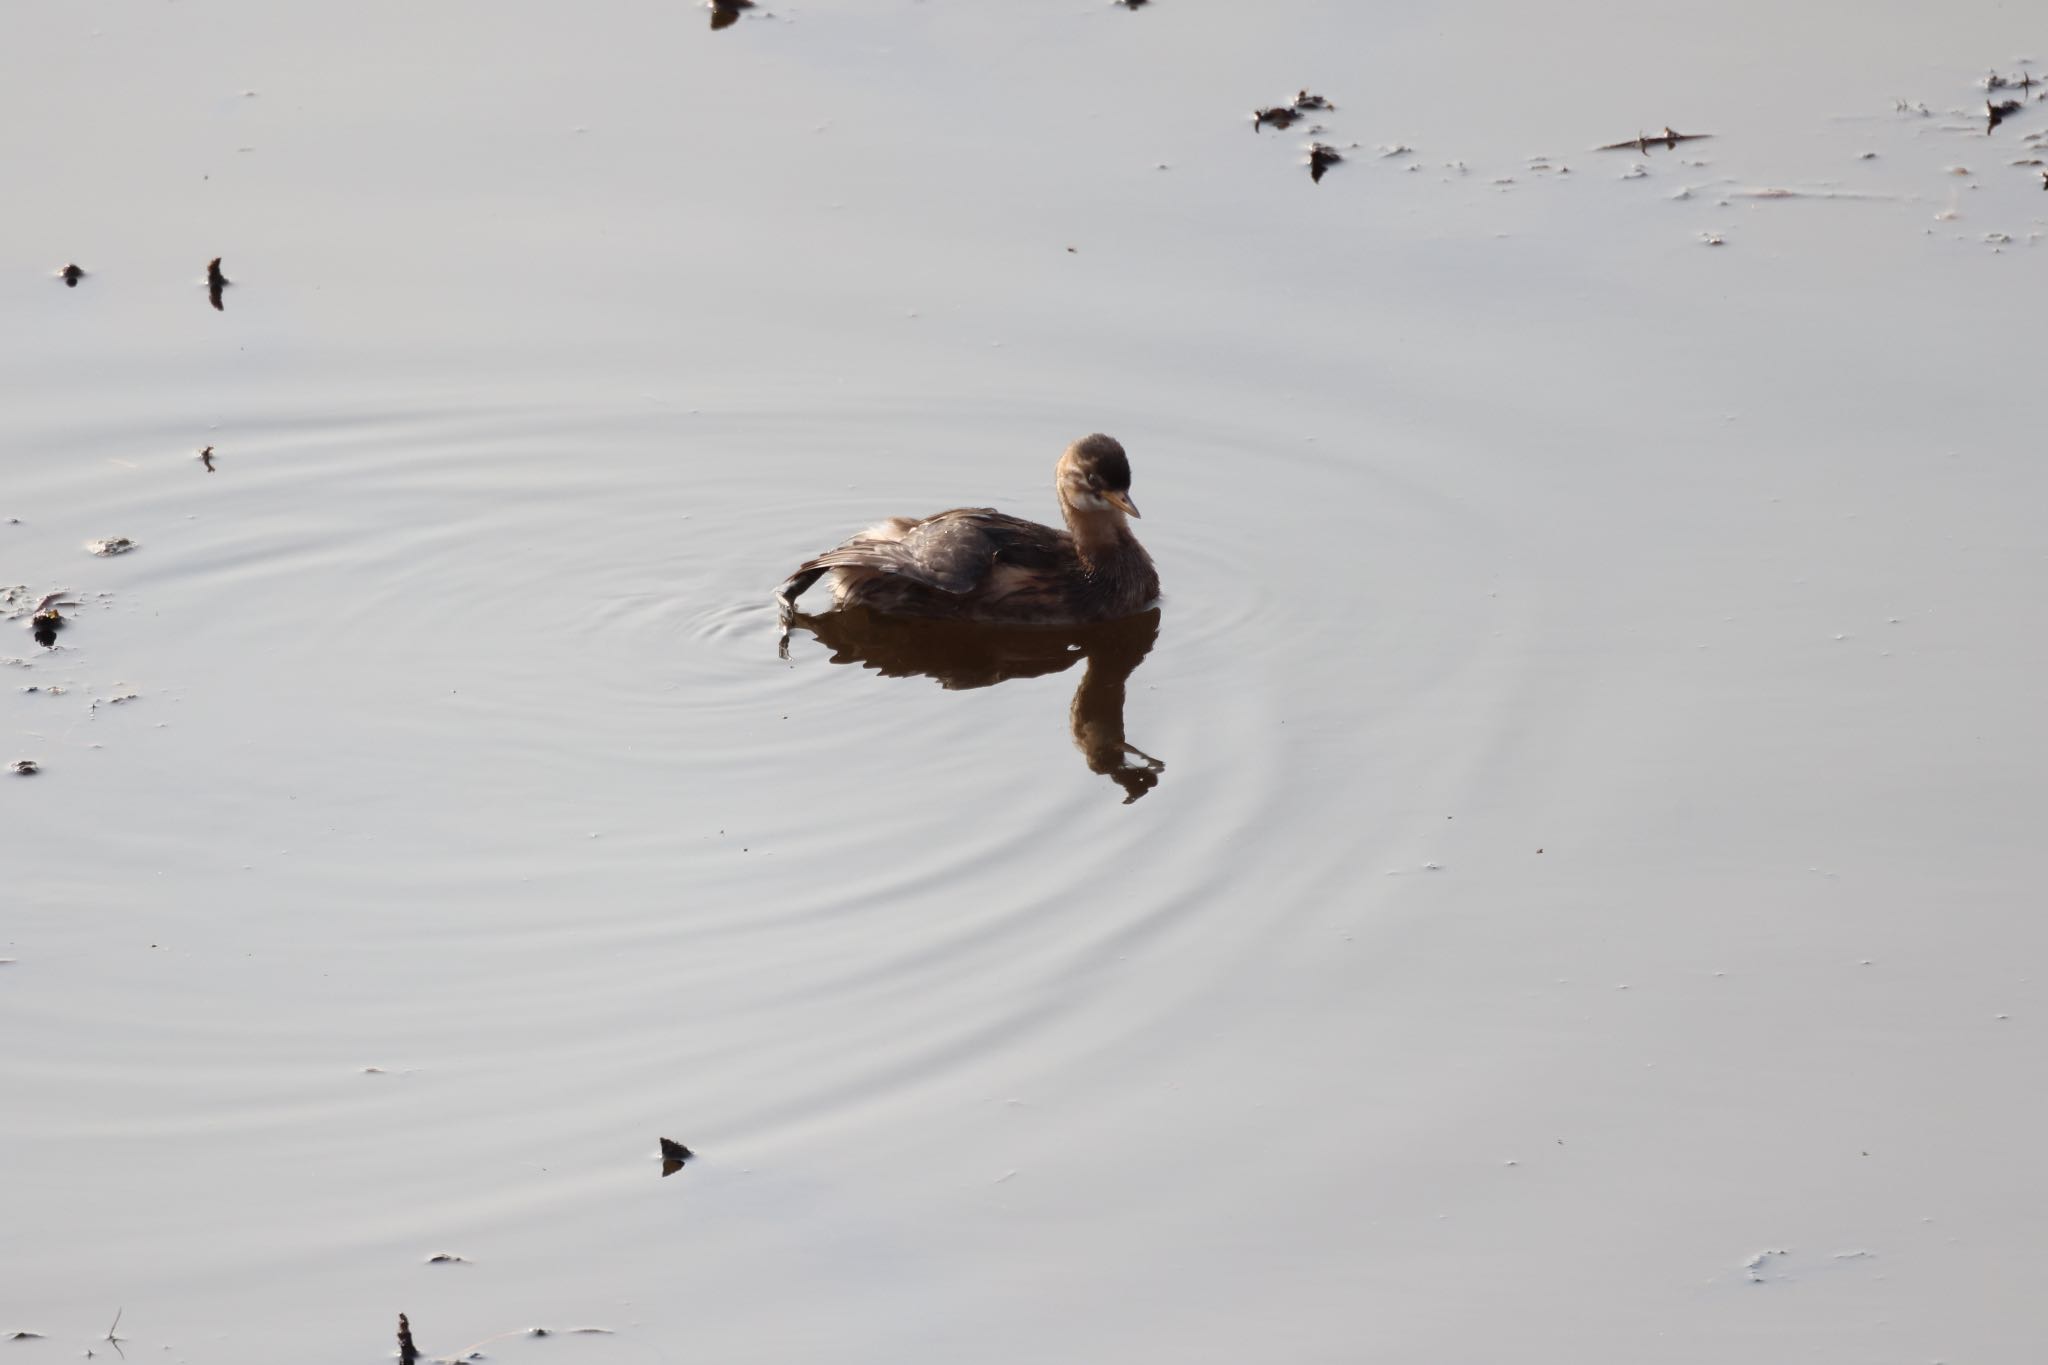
x: 1668, y: 140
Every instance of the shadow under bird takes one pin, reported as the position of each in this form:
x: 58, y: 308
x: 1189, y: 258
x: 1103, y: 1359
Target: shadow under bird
x: 962, y: 655
x: 978, y: 564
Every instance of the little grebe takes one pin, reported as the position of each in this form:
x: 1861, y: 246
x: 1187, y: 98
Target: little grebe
x: 978, y: 564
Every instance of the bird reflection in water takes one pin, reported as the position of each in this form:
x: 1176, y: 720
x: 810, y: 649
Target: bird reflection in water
x: 963, y: 655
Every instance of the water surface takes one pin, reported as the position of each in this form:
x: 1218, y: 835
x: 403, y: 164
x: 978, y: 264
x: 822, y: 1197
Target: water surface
x: 1593, y: 701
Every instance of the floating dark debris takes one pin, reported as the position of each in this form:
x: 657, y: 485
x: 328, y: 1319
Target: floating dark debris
x: 447, y: 1258
x: 1320, y: 158
x: 206, y: 458
x: 1999, y: 112
x: 726, y: 13
x: 1281, y: 115
x: 1134, y: 4
x: 71, y: 275
x: 407, y: 1352
x: 673, y: 1155
x: 1642, y: 142
x: 107, y: 549
x: 216, y: 283
x: 45, y: 619
x: 24, y: 767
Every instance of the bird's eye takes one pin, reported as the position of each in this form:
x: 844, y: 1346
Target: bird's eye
x: 1095, y: 482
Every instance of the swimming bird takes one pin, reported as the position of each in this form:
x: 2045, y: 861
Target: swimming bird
x: 978, y: 564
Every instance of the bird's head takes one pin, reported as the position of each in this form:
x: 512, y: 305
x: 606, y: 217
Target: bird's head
x: 1095, y: 476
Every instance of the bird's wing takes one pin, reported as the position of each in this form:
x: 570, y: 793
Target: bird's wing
x: 949, y: 553
x: 963, y: 545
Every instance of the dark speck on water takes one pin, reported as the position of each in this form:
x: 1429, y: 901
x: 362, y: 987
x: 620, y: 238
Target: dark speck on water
x: 215, y: 284
x: 24, y: 767
x: 1320, y: 158
x: 1999, y: 112
x: 71, y: 275
x: 1643, y: 142
x: 1281, y: 115
x: 673, y: 1155
x: 206, y: 458
x: 726, y: 13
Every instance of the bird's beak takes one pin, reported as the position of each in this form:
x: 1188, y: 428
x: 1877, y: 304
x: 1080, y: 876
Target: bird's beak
x: 1120, y: 501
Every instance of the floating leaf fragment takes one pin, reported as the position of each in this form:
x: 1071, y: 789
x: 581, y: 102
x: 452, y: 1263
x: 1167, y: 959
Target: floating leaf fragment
x: 1642, y: 142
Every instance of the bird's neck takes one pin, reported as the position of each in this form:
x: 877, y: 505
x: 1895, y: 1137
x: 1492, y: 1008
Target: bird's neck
x: 1097, y: 535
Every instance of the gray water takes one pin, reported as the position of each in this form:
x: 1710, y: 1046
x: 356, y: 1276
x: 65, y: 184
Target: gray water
x: 1594, y: 704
